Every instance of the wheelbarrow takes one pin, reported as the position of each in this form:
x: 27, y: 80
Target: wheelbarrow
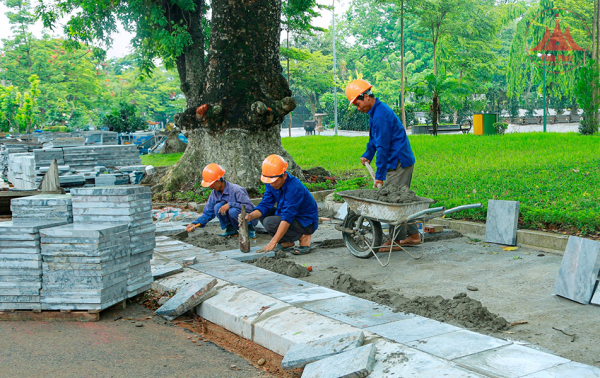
x: 362, y: 231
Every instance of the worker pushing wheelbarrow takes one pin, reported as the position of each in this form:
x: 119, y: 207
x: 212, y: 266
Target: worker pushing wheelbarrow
x: 395, y: 163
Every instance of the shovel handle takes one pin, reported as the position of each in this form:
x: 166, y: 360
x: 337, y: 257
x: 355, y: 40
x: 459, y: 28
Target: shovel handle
x: 372, y: 174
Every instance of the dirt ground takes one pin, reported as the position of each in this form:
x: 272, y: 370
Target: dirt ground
x: 124, y: 343
x: 515, y: 285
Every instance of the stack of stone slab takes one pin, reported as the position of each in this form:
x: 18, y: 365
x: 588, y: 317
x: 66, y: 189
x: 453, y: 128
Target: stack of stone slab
x: 21, y: 171
x: 112, y: 179
x: 43, y: 207
x: 85, y: 266
x: 5, y: 151
x: 87, y: 157
x: 21, y: 263
x: 45, y: 156
x: 123, y: 204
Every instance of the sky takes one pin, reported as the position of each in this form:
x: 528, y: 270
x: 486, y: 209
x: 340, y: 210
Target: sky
x: 121, y: 41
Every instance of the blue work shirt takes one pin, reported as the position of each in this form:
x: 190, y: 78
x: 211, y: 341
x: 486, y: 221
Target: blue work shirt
x: 235, y: 195
x: 293, y: 201
x: 388, y: 138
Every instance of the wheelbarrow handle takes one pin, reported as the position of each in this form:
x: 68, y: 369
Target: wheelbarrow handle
x: 370, y: 169
x: 426, y: 211
x: 463, y: 207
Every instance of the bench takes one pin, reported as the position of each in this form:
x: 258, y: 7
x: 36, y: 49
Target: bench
x: 464, y: 128
x: 529, y: 120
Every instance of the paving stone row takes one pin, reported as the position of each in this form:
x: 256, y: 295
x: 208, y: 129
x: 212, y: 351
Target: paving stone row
x: 279, y: 312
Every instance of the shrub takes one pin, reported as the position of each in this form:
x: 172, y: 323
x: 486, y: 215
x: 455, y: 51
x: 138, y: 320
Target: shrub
x: 500, y: 127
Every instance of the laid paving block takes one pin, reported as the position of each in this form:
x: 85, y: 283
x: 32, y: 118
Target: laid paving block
x: 579, y: 270
x: 303, y: 354
x: 272, y: 284
x: 356, y: 363
x: 309, y: 294
x: 568, y: 370
x: 282, y: 329
x: 355, y: 311
x: 237, y: 309
x: 238, y: 255
x: 412, y: 329
x: 396, y: 360
x: 166, y: 270
x: 511, y: 361
x: 457, y: 344
x: 501, y: 222
x: 187, y: 298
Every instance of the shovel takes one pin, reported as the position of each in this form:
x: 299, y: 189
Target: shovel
x: 372, y: 174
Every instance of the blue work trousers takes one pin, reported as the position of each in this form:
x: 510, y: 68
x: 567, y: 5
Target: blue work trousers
x: 230, y: 218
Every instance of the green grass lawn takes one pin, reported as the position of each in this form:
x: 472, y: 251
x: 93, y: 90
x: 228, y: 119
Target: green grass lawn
x: 555, y: 176
x: 161, y: 160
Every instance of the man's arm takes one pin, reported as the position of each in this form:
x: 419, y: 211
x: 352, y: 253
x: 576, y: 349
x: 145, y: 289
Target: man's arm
x: 382, y: 136
x: 281, y: 230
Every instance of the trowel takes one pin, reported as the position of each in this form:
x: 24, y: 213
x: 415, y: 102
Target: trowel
x: 243, y: 232
x: 372, y: 174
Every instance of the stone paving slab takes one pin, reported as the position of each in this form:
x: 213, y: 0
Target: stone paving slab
x: 275, y: 285
x: 181, y: 280
x: 166, y: 270
x: 412, y: 329
x: 238, y: 255
x: 303, y: 354
x: 355, y: 311
x: 395, y: 360
x: 501, y: 222
x: 457, y: 344
x: 579, y: 270
x: 356, y: 363
x: 85, y: 230
x: 568, y: 370
x: 27, y: 226
x: 511, y: 361
x: 310, y: 294
x: 237, y: 309
x: 281, y: 330
x: 187, y: 298
x: 118, y: 190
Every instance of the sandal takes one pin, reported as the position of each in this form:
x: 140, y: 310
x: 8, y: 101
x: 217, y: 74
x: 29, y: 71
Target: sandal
x: 302, y: 250
x: 279, y: 247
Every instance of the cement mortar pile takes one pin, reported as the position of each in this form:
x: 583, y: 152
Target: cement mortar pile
x: 282, y: 266
x: 389, y: 194
x: 460, y: 310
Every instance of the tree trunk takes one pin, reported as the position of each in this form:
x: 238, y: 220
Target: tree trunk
x: 435, y: 106
x: 243, y: 96
x: 173, y: 144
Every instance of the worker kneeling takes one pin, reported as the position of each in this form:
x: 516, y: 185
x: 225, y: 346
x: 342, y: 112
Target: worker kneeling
x: 297, y: 214
x: 225, y: 202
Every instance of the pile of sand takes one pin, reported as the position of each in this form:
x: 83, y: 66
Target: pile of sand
x: 280, y: 265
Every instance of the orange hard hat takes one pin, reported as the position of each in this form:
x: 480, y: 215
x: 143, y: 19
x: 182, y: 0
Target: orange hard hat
x: 356, y: 88
x: 273, y: 167
x: 211, y: 173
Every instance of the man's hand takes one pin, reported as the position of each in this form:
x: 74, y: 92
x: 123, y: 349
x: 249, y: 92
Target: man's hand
x: 253, y: 215
x: 364, y: 161
x: 223, y: 209
x: 377, y: 184
x: 267, y: 248
x: 191, y: 227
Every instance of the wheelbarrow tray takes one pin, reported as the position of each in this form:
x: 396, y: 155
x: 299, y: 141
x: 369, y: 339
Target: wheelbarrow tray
x: 393, y: 213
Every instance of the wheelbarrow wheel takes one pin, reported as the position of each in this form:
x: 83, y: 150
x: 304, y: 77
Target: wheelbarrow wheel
x: 366, y: 235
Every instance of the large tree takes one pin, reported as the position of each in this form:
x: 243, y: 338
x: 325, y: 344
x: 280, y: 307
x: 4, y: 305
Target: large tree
x: 228, y: 66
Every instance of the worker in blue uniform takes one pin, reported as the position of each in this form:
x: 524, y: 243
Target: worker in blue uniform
x: 388, y: 138
x: 297, y: 215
